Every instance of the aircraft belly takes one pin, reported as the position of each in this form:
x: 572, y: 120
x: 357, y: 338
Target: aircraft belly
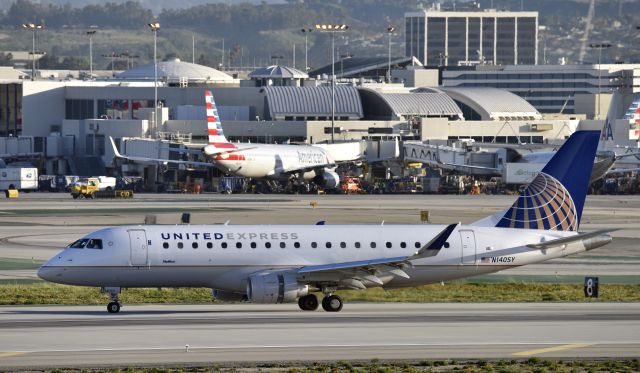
x: 163, y: 276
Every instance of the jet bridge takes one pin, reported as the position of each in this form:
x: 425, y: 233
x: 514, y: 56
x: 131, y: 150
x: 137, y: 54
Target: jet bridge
x: 462, y: 159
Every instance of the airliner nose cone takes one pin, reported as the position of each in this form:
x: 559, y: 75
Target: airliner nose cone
x: 48, y: 273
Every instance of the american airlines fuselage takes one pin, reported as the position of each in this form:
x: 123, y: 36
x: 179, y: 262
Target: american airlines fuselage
x: 275, y: 161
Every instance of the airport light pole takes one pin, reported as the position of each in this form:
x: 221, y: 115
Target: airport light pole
x: 332, y: 29
x: 33, y: 27
x: 91, y: 33
x: 155, y: 26
x: 306, y: 32
x: 390, y: 31
x: 599, y: 47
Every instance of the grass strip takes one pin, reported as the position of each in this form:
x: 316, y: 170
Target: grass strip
x: 46, y: 293
x: 530, y: 365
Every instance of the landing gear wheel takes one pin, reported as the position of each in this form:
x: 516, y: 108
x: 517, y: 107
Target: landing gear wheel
x: 308, y: 302
x: 113, y: 307
x: 332, y: 303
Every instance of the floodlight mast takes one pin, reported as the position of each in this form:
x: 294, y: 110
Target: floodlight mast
x: 332, y: 29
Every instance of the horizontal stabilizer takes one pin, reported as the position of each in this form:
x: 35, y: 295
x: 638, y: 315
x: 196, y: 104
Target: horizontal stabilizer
x: 567, y: 240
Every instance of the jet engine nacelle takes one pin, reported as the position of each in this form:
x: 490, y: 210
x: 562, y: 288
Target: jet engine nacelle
x: 227, y: 296
x: 275, y: 287
x: 328, y: 180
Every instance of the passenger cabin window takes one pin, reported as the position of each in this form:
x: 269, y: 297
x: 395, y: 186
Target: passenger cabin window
x: 180, y: 245
x: 194, y: 245
x: 224, y: 245
x: 283, y: 245
x: 357, y: 245
x: 165, y: 245
x: 403, y: 244
x: 417, y: 245
x: 314, y: 245
x: 328, y: 245
x: 389, y: 245
x: 343, y: 245
x: 209, y: 245
x: 373, y: 245
x: 267, y: 245
x: 94, y: 244
x: 253, y: 245
x: 446, y: 245
x: 238, y: 245
x: 296, y: 245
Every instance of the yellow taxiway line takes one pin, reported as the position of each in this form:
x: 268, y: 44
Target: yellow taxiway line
x: 550, y: 349
x: 15, y: 353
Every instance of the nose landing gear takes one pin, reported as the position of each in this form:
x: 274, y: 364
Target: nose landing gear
x: 114, y: 305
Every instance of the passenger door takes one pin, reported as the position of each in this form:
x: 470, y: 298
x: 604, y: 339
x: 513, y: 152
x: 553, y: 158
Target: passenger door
x: 468, y: 252
x: 139, y: 249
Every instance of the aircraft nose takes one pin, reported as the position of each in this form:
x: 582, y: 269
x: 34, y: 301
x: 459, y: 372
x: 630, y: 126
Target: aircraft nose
x: 48, y: 273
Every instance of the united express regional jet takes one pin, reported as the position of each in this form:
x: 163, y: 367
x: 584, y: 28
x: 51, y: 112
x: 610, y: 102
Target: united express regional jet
x: 285, y: 263
x: 274, y: 161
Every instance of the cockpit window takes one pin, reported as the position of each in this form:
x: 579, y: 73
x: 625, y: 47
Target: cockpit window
x: 80, y: 244
x: 94, y: 244
x: 87, y: 243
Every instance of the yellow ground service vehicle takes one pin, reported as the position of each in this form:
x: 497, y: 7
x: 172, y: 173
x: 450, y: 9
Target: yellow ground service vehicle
x: 85, y: 188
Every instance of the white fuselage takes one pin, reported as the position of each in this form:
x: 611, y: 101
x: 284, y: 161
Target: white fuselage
x: 223, y: 257
x: 273, y: 161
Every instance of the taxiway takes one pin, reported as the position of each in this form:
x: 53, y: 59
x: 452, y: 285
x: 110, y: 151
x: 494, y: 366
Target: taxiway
x: 37, y: 337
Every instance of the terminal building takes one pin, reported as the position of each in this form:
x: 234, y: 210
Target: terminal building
x: 550, y: 88
x: 70, y: 121
x: 450, y: 38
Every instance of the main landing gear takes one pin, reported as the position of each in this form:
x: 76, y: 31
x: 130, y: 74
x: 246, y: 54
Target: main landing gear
x: 330, y: 303
x: 114, y: 305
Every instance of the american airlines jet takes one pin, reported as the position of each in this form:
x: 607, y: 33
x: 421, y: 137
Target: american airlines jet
x: 288, y: 263
x: 274, y: 161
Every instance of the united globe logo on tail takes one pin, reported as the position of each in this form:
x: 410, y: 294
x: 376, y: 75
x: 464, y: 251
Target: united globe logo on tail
x: 555, y: 198
x: 545, y: 204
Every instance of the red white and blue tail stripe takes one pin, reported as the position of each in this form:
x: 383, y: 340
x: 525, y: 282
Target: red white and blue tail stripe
x: 214, y: 126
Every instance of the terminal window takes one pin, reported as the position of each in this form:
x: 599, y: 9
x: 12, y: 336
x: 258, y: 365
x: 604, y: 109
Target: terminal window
x: 79, y: 109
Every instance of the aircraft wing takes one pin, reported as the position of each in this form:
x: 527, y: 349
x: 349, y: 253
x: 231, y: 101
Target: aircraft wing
x: 566, y: 240
x: 155, y: 160
x: 356, y: 273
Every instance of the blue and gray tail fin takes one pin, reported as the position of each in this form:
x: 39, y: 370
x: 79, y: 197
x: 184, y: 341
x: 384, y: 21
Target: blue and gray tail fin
x: 555, y: 198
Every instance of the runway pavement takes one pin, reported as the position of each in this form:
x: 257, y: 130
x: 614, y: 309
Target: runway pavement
x: 38, y: 337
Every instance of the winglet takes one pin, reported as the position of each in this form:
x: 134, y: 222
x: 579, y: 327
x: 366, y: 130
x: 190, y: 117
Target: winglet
x: 433, y: 247
x: 115, y: 148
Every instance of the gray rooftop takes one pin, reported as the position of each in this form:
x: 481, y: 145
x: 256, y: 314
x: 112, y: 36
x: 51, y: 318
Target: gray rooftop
x: 493, y: 103
x: 407, y: 104
x: 278, y: 72
x: 313, y: 102
x: 402, y: 105
x: 174, y: 70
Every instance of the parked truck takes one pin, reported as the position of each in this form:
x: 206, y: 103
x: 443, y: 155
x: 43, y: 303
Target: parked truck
x: 25, y: 178
x: 85, y: 188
